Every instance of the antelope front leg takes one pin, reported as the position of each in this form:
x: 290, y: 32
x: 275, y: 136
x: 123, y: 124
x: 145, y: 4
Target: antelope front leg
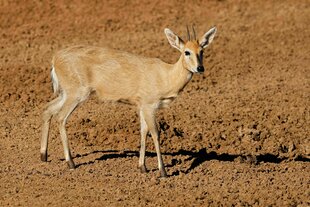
x: 149, y: 116
x: 144, y: 130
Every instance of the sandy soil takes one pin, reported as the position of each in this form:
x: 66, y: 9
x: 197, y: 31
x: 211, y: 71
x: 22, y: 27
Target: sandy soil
x: 237, y: 136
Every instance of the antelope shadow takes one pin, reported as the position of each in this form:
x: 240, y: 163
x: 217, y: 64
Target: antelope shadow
x: 196, y: 158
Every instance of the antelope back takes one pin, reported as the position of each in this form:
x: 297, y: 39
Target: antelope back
x: 113, y: 74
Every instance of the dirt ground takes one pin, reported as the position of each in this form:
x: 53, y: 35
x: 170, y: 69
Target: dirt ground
x: 238, y: 135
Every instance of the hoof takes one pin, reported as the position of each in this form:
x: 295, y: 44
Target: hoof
x: 163, y: 174
x: 44, y: 157
x: 71, y: 164
x: 143, y: 169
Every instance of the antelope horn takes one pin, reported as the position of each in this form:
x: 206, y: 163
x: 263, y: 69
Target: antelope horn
x: 188, y: 34
x: 194, y: 32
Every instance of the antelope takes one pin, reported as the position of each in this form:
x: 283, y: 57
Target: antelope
x: 148, y: 83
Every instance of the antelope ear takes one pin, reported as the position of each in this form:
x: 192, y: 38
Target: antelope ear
x: 207, y: 38
x: 174, y: 40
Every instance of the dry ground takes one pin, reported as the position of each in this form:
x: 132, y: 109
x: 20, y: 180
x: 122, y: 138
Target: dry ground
x: 237, y: 136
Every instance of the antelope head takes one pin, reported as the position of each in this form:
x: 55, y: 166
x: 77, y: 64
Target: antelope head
x: 192, y: 49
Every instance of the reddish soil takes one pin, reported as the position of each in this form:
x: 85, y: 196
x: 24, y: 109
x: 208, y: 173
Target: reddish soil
x: 238, y: 135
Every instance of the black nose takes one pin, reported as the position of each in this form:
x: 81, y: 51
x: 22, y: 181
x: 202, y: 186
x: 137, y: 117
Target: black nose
x: 200, y: 69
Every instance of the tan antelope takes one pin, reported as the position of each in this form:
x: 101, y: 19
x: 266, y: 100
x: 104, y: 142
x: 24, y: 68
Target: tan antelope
x: 115, y: 75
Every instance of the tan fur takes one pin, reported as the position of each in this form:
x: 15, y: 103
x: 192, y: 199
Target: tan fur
x: 115, y: 75
x: 106, y: 71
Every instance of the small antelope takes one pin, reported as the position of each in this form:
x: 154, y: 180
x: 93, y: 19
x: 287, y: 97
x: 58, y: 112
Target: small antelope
x: 114, y: 75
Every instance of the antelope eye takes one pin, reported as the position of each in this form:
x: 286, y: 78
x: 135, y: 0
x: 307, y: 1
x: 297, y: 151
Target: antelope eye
x: 187, y: 53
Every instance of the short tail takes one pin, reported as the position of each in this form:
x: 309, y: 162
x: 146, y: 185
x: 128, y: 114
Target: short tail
x: 55, y: 80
